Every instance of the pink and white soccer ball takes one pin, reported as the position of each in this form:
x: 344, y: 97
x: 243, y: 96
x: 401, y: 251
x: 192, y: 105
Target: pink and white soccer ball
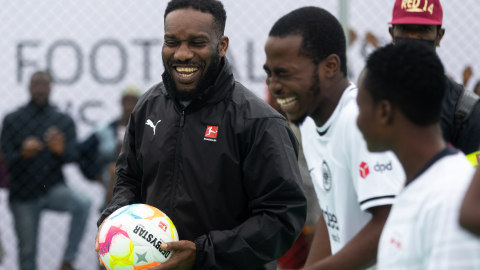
x: 130, y: 238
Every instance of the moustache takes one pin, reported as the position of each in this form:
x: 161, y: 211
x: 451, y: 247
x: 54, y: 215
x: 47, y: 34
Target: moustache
x: 187, y: 63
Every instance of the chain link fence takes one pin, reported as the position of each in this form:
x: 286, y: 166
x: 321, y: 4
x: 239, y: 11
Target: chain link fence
x: 94, y: 50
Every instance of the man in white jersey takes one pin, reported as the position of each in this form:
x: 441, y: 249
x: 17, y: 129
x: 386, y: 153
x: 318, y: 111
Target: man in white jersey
x: 400, y: 98
x: 307, y: 74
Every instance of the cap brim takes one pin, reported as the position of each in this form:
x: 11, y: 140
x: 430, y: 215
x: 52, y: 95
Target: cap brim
x: 415, y: 20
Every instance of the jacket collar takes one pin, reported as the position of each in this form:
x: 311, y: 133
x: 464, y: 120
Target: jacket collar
x: 223, y: 85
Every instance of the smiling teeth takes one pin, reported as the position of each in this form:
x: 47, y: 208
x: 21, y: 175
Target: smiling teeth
x: 186, y: 75
x: 185, y: 69
x: 286, y: 101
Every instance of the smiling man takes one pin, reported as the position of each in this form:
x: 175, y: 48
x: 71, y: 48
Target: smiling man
x: 209, y: 153
x: 307, y: 74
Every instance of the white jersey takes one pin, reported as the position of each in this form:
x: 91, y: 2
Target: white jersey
x: 348, y: 179
x: 422, y: 230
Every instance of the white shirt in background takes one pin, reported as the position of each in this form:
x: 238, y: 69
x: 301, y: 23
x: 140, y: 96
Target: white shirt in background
x: 422, y: 230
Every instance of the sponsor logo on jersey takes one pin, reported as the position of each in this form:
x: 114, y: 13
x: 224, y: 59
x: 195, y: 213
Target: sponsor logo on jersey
x: 162, y: 226
x: 414, y: 6
x: 383, y: 167
x: 327, y: 176
x: 394, y: 246
x: 211, y: 133
x: 142, y: 232
x: 364, y: 170
x: 330, y: 219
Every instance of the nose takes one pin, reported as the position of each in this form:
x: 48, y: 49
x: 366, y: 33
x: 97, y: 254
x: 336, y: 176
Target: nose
x: 274, y: 85
x: 183, y: 52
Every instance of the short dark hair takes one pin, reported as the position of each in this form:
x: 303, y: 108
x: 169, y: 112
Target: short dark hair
x: 213, y: 7
x: 322, y: 34
x: 411, y: 76
x: 42, y: 72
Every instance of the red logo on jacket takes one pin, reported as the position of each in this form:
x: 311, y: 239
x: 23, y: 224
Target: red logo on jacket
x: 364, y: 170
x: 211, y: 132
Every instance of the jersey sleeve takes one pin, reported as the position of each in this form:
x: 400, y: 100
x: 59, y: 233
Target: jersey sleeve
x: 377, y: 177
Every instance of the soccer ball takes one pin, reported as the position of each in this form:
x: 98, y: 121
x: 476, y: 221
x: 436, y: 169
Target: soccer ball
x: 130, y: 238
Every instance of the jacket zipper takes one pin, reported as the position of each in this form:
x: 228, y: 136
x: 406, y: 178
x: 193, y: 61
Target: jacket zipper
x: 177, y: 160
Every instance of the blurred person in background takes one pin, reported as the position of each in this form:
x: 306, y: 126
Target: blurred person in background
x: 400, y: 98
x: 37, y: 140
x: 4, y: 181
x: 307, y: 75
x: 421, y: 21
x: 99, y: 152
x: 219, y: 161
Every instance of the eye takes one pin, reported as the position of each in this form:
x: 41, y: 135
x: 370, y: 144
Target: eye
x: 171, y: 43
x: 197, y: 43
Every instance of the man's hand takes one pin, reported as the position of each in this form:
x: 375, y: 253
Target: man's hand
x: 97, y: 248
x: 372, y: 39
x: 184, y: 254
x: 30, y: 147
x: 467, y: 74
x: 55, y: 140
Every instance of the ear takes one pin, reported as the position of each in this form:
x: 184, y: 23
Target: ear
x: 385, y: 112
x: 223, y: 46
x: 441, y: 33
x: 331, y: 65
x: 390, y: 30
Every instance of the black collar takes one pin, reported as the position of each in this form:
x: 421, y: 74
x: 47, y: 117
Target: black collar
x: 445, y: 152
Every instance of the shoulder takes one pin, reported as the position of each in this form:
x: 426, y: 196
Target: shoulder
x: 453, y: 88
x: 453, y: 92
x: 155, y: 92
x: 347, y: 119
x: 250, y: 105
x: 449, y: 176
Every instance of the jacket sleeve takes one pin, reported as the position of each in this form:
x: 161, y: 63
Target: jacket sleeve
x: 277, y: 205
x: 71, y: 150
x: 10, y: 144
x: 127, y: 189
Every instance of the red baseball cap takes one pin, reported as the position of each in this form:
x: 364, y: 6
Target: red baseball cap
x: 417, y: 12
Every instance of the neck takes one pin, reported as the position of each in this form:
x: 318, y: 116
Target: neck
x: 416, y: 146
x: 330, y: 101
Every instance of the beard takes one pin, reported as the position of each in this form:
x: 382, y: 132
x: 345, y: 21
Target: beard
x: 315, y: 88
x: 207, y: 80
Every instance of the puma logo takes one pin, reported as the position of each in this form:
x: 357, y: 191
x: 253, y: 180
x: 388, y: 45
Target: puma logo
x: 150, y: 123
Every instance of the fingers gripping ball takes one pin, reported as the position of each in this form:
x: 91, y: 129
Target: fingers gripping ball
x: 131, y: 237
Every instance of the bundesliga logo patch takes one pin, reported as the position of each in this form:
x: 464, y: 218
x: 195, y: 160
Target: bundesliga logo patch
x: 211, y: 133
x: 162, y: 226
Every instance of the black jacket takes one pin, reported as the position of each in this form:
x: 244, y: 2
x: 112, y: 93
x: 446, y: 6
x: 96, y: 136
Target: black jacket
x: 33, y: 178
x: 238, y: 196
x: 468, y: 138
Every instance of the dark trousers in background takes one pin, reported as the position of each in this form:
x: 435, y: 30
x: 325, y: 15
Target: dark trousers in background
x: 27, y: 214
